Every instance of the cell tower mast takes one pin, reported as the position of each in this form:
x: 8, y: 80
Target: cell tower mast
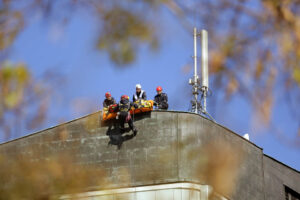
x: 196, y: 105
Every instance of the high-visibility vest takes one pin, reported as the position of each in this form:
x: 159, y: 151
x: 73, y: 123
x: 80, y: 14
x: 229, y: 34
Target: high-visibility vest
x: 136, y: 97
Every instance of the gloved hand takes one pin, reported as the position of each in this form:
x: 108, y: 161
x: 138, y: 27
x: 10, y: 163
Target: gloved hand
x: 154, y: 103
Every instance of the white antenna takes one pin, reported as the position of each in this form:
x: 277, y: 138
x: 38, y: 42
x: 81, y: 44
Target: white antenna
x: 204, y: 67
x: 204, y: 70
x: 204, y: 58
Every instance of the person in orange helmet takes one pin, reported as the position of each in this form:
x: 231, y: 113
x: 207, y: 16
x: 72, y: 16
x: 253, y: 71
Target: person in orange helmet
x: 161, y: 99
x: 109, y: 100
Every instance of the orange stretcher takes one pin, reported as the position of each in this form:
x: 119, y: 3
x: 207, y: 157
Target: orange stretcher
x: 143, y: 106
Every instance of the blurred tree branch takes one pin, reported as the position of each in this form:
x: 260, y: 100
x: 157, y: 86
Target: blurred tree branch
x: 23, y: 99
x: 254, y: 52
x: 254, y: 45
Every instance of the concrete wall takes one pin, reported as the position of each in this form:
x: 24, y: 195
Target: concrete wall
x: 160, y: 153
x: 278, y: 175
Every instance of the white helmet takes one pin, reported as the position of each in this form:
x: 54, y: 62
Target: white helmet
x: 138, y: 86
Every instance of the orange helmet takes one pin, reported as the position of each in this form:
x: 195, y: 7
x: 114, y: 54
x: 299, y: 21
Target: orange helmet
x: 107, y: 94
x: 158, y: 89
x: 124, y: 97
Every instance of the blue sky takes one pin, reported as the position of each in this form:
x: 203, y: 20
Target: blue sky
x: 88, y: 74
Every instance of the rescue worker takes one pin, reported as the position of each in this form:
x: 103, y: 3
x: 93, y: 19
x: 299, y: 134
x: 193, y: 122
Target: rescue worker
x: 161, y: 99
x: 124, y: 107
x: 109, y: 100
x: 139, y: 94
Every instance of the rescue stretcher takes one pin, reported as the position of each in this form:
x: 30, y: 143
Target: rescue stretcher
x: 143, y: 106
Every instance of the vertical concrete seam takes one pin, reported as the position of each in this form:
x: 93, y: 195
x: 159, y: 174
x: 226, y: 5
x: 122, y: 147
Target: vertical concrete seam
x: 263, y: 173
x: 177, y: 133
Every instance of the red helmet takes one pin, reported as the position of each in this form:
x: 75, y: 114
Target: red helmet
x: 107, y: 94
x: 124, y: 97
x: 158, y: 89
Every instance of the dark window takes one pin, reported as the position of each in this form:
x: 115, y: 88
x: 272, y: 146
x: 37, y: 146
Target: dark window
x: 291, y: 194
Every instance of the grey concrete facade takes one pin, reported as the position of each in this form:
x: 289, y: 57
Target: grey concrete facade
x: 277, y: 176
x: 165, y: 150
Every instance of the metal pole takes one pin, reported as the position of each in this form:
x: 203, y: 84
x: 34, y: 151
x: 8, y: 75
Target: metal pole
x: 195, y: 92
x: 204, y: 101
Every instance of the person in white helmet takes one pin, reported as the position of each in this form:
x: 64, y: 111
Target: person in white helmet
x: 139, y: 94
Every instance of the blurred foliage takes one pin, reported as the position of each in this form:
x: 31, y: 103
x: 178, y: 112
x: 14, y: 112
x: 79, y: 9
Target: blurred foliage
x: 254, y: 44
x: 123, y: 25
x: 13, y: 82
x: 27, y: 177
x: 23, y: 101
x: 122, y: 33
x: 220, y: 166
x: 11, y: 23
x: 216, y: 162
x: 254, y: 52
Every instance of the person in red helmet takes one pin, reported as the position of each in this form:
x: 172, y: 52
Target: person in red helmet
x: 124, y: 107
x: 161, y: 99
x: 109, y: 100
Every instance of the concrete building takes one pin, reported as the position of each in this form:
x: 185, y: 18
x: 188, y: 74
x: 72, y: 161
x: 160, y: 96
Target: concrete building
x: 175, y: 155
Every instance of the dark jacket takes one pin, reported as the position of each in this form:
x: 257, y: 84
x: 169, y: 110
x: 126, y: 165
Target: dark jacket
x: 140, y: 95
x: 107, y: 102
x: 161, y: 101
x: 125, y: 105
